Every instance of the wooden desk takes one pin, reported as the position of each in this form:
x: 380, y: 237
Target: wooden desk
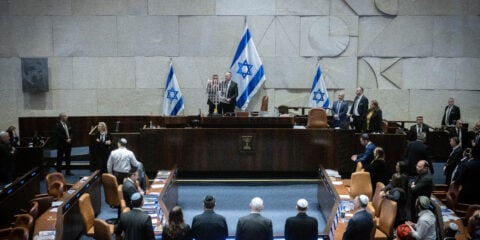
x: 66, y: 221
x: 17, y: 195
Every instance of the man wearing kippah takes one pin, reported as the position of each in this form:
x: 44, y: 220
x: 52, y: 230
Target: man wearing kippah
x: 302, y: 226
x: 121, y: 160
x: 135, y: 224
x: 209, y: 225
x: 361, y: 224
x: 424, y: 229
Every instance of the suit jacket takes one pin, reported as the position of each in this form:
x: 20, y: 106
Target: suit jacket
x: 359, y: 226
x: 101, y: 145
x: 423, y: 186
x: 136, y: 224
x: 378, y: 172
x: 464, y: 139
x: 209, y: 226
x: 128, y: 189
x: 454, y: 115
x: 453, y: 159
x: 61, y: 134
x: 301, y: 227
x: 341, y: 111
x: 469, y: 180
x: 367, y: 156
x: 232, y: 93
x: 375, y: 124
x: 7, y: 163
x: 362, y: 106
x: 413, y: 131
x: 254, y: 227
x: 416, y: 150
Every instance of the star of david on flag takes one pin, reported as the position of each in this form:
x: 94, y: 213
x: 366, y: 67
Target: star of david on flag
x: 318, y: 94
x: 247, y: 69
x: 172, y: 98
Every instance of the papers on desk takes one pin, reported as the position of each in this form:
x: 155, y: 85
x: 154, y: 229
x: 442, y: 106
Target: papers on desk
x: 157, y: 186
x: 163, y: 174
x: 56, y: 203
x: 70, y: 191
x: 332, y: 173
x: 55, y: 209
x: 299, y: 127
x: 85, y: 178
x: 344, y: 196
x: 337, y: 183
x: 154, y: 221
x: 45, y: 235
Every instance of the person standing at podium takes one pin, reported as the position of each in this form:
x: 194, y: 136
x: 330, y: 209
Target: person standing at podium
x: 63, y: 133
x: 103, y: 143
x: 228, y: 100
x: 359, y: 111
x: 339, y: 110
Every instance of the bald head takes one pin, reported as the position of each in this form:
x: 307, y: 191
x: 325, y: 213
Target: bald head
x: 422, y: 167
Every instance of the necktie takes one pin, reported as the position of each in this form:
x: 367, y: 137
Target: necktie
x: 102, y: 138
x: 447, y: 115
x: 355, y: 111
x: 66, y: 129
x: 338, y: 106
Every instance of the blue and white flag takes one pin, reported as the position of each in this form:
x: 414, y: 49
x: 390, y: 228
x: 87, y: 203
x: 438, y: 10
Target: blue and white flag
x: 318, y: 94
x: 172, y: 98
x: 247, y: 69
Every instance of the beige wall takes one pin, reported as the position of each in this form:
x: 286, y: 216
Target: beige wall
x: 111, y: 56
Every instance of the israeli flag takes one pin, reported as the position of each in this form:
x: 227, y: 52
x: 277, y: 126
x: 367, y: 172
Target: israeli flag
x: 247, y: 69
x: 172, y: 98
x: 318, y: 94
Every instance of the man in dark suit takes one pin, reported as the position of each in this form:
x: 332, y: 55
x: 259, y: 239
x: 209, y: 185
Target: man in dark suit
x: 129, y: 186
x: 254, y: 226
x: 365, y: 158
x: 453, y: 159
x: 136, y: 224
x: 360, y: 226
x: 63, y: 132
x: 419, y: 127
x: 7, y: 160
x: 474, y: 137
x: 461, y: 133
x: 416, y: 150
x: 302, y: 226
x: 209, y: 225
x: 339, y: 111
x: 230, y: 94
x: 359, y: 111
x: 451, y: 113
x: 422, y: 185
x: 469, y: 180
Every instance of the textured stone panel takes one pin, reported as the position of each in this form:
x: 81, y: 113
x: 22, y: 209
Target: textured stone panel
x: 181, y: 7
x: 263, y: 30
x: 340, y: 8
x: 245, y: 7
x: 147, y: 36
x: 431, y: 104
x: 323, y: 36
x: 151, y: 72
x: 256, y: 101
x: 287, y: 36
x: 467, y: 74
x: 429, y: 73
x: 84, y: 36
x: 370, y: 73
x: 8, y: 98
x: 285, y: 72
x: 6, y: 49
x: 404, y: 36
x: 61, y: 72
x: 393, y: 102
x: 473, y: 7
x: 392, y: 71
x: 363, y: 7
x: 130, y: 102
x: 432, y: 7
x: 292, y: 97
x: 193, y: 72
x: 4, y: 9
x: 41, y: 7
x: 210, y: 36
x: 352, y: 24
x: 352, y: 48
x: 11, y: 75
x: 76, y: 102
x: 448, y: 35
x: 35, y: 104
x: 389, y: 7
x: 195, y: 100
x: 471, y: 39
x: 302, y: 7
x: 103, y: 73
x: 109, y: 7
x: 32, y: 36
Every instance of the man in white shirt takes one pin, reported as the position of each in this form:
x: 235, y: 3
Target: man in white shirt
x: 121, y: 161
x: 424, y: 229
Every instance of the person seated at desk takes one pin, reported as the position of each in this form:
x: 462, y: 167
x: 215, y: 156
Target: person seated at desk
x: 360, y: 226
x: 424, y: 229
x: 130, y: 187
x: 367, y: 157
x: 176, y: 229
x: 378, y: 168
x: 135, y: 224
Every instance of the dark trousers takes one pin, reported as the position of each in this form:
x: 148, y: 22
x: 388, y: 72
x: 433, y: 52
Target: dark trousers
x: 120, y: 176
x: 359, y: 123
x: 226, y: 108
x: 211, y: 107
x: 64, y: 154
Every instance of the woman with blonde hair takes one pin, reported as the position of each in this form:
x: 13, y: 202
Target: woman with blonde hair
x: 102, y: 147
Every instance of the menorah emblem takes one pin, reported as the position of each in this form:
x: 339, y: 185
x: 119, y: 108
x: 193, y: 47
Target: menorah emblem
x: 247, y: 143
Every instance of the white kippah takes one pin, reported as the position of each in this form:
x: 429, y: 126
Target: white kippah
x: 363, y: 199
x: 302, y: 203
x: 123, y: 141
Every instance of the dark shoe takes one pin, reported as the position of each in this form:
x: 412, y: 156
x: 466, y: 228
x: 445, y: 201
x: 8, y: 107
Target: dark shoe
x: 69, y: 173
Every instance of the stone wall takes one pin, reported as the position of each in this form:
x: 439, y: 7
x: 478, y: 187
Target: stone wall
x: 111, y: 57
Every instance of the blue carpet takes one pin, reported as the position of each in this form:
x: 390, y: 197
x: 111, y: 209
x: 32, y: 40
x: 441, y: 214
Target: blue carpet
x: 233, y: 200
